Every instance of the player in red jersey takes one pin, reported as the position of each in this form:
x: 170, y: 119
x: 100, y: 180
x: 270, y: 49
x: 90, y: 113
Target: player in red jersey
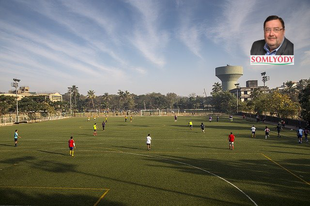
x: 71, y: 145
x: 231, y: 139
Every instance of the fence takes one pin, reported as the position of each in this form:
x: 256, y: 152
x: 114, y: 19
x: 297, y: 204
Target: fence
x: 289, y: 122
x: 11, y: 119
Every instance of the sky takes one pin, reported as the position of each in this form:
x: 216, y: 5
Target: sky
x: 143, y: 46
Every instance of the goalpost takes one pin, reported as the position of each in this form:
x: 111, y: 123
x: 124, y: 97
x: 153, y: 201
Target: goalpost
x: 150, y: 112
x: 159, y: 112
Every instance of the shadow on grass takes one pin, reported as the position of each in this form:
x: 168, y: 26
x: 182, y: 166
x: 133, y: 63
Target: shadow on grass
x: 126, y: 147
x: 217, y: 127
x: 16, y: 197
x: 135, y: 125
x: 261, y: 172
x: 53, y: 153
x: 13, y: 196
x: 205, y: 147
x: 7, y: 145
x: 18, y: 160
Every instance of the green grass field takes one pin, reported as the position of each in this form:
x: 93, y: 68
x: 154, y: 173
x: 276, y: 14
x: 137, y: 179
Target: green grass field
x: 184, y: 167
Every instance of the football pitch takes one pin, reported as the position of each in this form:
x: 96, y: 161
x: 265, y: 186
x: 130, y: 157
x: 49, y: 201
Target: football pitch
x: 183, y: 167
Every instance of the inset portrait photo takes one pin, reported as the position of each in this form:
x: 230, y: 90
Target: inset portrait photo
x: 274, y: 42
x: 275, y: 48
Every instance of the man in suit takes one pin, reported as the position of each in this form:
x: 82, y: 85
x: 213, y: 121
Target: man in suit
x: 275, y: 42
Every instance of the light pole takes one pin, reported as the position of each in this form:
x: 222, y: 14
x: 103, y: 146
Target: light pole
x: 237, y: 85
x: 70, y: 90
x: 15, y: 84
x: 265, y: 79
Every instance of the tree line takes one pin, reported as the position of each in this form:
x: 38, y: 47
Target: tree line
x: 290, y: 102
x: 124, y: 100
x: 293, y: 101
x: 74, y: 101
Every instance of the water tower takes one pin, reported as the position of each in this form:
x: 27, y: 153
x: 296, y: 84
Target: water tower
x: 229, y: 76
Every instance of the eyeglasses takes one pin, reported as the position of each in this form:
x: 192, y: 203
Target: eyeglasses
x: 275, y: 29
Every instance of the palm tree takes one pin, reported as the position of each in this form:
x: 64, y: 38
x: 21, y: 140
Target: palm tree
x: 129, y: 101
x: 75, y: 93
x: 122, y: 97
x: 106, y: 99
x: 217, y: 87
x: 91, y: 95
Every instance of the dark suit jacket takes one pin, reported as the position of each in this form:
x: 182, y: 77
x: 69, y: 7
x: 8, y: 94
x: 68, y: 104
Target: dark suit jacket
x: 287, y: 48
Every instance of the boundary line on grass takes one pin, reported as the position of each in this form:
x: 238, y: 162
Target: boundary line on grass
x: 64, y: 188
x: 285, y: 169
x: 195, y: 167
x: 101, y: 197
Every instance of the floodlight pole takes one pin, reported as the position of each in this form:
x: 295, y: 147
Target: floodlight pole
x: 264, y: 79
x: 237, y: 85
x: 17, y: 120
x: 15, y: 84
x: 70, y: 89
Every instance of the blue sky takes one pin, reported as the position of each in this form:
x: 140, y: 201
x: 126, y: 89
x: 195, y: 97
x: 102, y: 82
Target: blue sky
x: 142, y: 46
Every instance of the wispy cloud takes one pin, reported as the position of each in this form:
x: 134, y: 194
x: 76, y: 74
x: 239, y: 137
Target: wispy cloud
x: 296, y: 31
x: 190, y: 32
x: 305, y: 59
x: 231, y: 27
x: 190, y: 36
x: 140, y: 70
x: 92, y: 13
x: 56, y: 49
x: 147, y: 37
x: 83, y: 21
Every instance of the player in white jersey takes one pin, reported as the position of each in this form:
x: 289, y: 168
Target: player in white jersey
x: 253, y: 129
x: 148, y: 141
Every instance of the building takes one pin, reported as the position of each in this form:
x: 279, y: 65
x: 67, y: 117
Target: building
x: 244, y: 93
x: 23, y: 91
x: 54, y: 97
x: 252, y: 83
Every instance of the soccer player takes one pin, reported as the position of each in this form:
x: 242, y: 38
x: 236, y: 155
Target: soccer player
x: 299, y: 135
x: 210, y: 119
x: 130, y: 118
x: 231, y: 118
x: 106, y: 119
x: 126, y: 118
x: 190, y: 125
x: 253, y: 129
x: 95, y: 129
x: 16, y: 137
x: 175, y: 118
x: 231, y: 140
x: 267, y: 130
x: 202, y: 126
x: 148, y: 141
x: 279, y: 129
x: 103, y: 125
x: 71, y: 145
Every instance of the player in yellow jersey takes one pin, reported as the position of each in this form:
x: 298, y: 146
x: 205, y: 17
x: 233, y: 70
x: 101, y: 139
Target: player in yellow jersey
x: 190, y: 125
x: 95, y: 129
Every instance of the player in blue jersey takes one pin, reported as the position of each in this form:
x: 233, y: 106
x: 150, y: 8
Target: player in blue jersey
x: 16, y: 136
